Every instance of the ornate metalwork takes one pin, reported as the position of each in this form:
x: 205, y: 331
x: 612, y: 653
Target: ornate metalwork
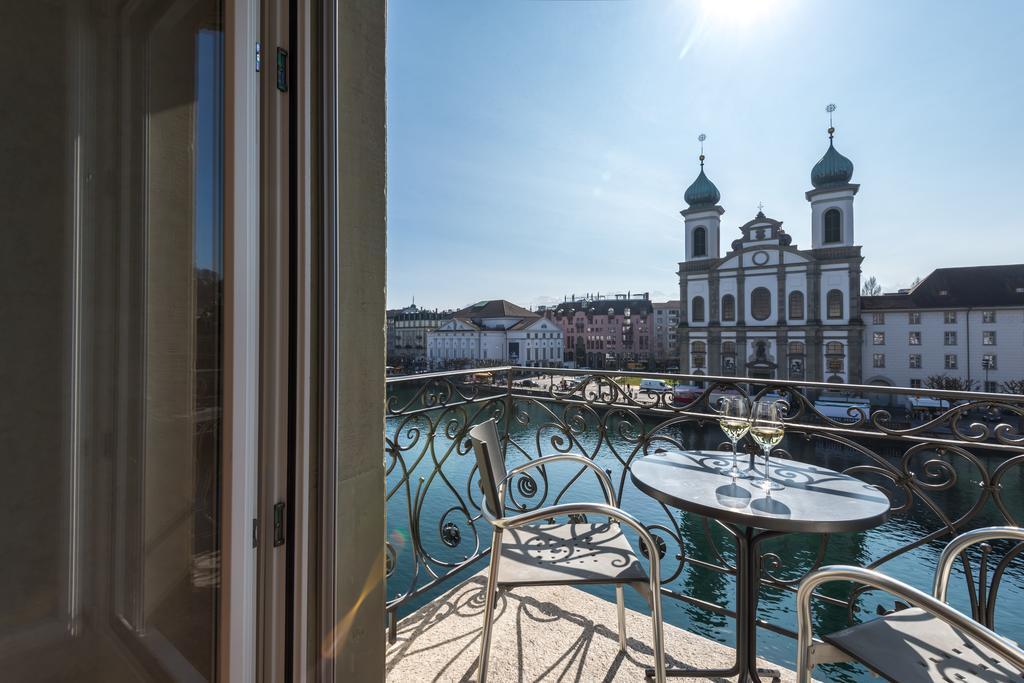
x: 920, y: 464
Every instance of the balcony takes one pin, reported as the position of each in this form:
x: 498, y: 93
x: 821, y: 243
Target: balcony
x: 955, y: 468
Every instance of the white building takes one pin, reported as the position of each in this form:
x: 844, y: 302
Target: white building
x: 766, y: 308
x: 955, y: 322
x: 496, y: 332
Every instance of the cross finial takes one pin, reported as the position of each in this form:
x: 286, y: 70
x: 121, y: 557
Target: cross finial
x: 701, y: 138
x: 760, y: 207
x: 830, y: 108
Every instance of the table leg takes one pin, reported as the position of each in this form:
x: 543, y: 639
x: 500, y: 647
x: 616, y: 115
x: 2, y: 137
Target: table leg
x: 748, y: 585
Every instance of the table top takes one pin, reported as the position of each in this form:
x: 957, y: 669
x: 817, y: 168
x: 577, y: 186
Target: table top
x: 815, y: 499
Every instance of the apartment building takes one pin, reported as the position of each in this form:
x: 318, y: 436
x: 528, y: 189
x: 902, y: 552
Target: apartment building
x: 665, y: 352
x: 607, y: 332
x: 964, y: 323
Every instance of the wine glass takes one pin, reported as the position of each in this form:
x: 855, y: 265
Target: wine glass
x: 766, y: 429
x: 734, y: 420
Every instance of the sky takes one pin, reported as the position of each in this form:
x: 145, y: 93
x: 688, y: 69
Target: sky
x: 540, y: 148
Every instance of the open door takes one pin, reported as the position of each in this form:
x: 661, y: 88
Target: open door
x: 125, y: 341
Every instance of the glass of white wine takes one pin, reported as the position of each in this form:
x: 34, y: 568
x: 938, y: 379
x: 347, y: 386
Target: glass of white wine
x: 734, y: 420
x: 766, y: 429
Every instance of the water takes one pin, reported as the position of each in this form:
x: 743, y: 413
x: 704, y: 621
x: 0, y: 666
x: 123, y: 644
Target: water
x: 440, y: 518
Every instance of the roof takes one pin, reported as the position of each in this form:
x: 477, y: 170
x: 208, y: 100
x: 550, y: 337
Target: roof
x: 969, y: 287
x: 701, y: 192
x: 833, y: 169
x: 495, y: 308
x: 601, y: 306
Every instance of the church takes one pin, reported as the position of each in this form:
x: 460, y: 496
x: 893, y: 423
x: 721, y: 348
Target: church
x: 767, y: 308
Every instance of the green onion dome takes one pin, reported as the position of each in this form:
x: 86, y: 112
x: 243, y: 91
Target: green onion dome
x: 832, y: 169
x: 702, y: 192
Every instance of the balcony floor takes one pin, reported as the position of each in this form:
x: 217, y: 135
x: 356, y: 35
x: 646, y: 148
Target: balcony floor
x: 541, y: 634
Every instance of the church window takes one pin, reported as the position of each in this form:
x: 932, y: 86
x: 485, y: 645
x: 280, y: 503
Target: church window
x: 796, y: 305
x: 700, y: 241
x: 834, y: 304
x: 728, y: 347
x: 697, y: 307
x: 833, y: 226
x: 760, y: 303
x: 834, y: 349
x: 728, y: 307
x: 699, y: 347
x: 796, y: 348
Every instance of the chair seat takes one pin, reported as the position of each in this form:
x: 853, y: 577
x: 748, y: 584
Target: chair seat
x: 573, y: 553
x: 911, y: 646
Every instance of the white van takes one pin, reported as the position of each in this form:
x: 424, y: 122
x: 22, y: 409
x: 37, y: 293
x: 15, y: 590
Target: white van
x: 655, y: 385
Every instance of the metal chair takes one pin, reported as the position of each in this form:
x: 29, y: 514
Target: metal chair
x: 525, y: 551
x: 928, y: 641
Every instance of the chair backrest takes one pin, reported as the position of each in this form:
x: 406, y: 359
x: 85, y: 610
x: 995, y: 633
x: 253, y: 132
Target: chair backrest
x: 490, y: 461
x: 983, y: 587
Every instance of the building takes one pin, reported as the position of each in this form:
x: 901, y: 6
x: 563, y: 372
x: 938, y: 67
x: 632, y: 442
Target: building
x: 407, y: 335
x: 766, y: 308
x: 665, y: 351
x: 964, y: 323
x: 602, y: 332
x: 495, y: 333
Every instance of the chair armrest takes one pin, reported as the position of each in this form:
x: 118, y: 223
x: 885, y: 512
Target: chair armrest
x: 606, y: 482
x: 940, y: 587
x: 598, y: 509
x: 911, y: 595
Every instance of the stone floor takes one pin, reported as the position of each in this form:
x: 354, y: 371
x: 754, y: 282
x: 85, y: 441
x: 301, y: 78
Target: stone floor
x: 541, y: 634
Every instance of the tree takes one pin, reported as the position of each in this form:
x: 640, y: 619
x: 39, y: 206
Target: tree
x: 947, y: 383
x: 1013, y: 386
x: 871, y: 287
x: 581, y: 352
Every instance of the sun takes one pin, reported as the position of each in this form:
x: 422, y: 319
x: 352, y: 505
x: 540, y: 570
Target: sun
x: 739, y: 12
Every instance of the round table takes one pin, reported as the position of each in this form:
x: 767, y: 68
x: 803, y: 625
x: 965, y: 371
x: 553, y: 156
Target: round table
x: 815, y: 500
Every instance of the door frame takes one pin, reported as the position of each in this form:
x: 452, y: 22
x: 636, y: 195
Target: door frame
x: 237, y: 637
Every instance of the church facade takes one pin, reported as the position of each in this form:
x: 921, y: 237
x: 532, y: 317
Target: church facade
x: 765, y: 307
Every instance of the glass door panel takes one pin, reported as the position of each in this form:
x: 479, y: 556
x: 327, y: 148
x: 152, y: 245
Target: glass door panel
x: 111, y: 389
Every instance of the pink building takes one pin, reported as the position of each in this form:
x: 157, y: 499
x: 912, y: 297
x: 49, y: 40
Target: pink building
x: 611, y: 332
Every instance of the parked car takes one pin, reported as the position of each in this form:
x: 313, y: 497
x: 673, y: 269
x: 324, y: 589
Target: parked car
x: 658, y: 386
x: 685, y: 394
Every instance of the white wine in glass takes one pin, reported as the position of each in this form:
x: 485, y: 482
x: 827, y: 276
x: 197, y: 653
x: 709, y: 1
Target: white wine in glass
x: 734, y: 421
x: 767, y: 430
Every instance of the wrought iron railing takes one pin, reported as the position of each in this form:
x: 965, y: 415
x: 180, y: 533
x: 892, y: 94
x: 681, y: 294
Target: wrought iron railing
x: 953, y: 470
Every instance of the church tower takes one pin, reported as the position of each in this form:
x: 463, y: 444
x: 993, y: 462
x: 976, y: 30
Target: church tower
x: 832, y: 197
x: 703, y: 217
